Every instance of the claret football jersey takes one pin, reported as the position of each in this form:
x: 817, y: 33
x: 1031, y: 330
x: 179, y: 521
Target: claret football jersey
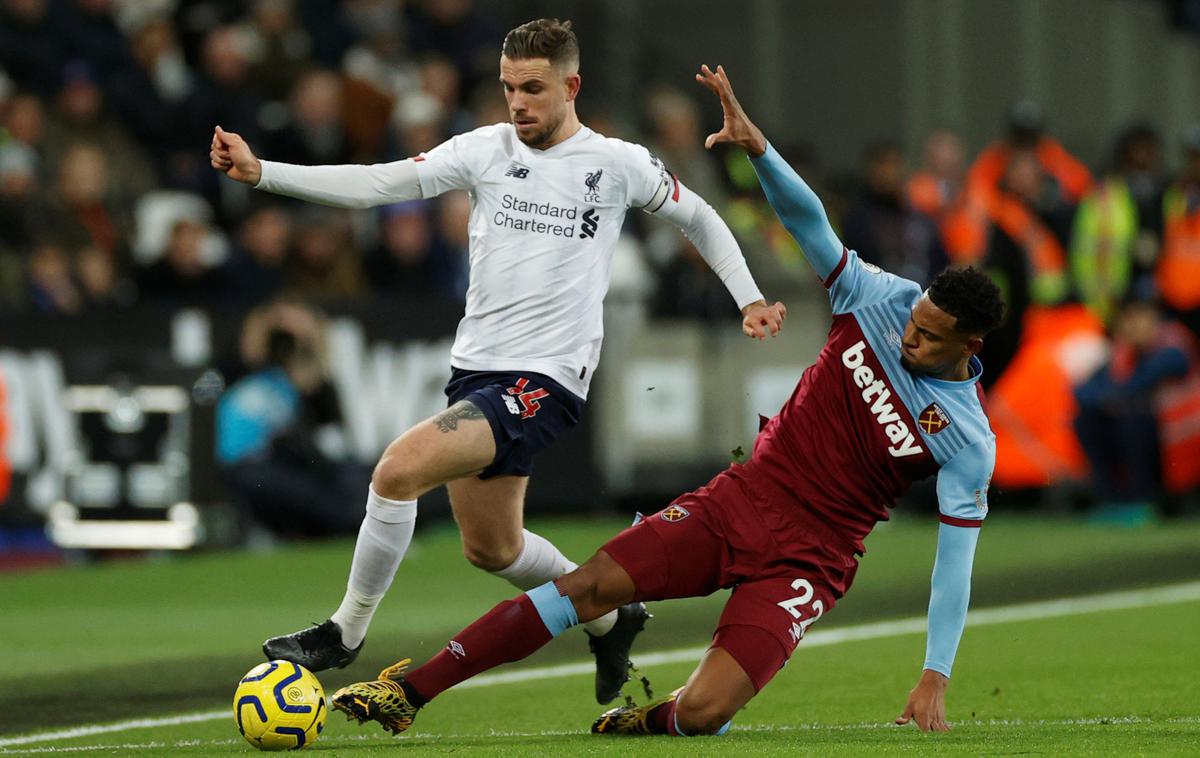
x: 543, y: 228
x: 859, y: 428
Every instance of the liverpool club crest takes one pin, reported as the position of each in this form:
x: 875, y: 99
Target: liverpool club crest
x: 592, y: 184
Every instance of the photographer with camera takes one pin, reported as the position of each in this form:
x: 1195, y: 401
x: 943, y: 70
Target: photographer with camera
x: 269, y: 423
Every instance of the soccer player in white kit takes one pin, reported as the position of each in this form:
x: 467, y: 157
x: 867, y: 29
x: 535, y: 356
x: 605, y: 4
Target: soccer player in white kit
x: 548, y: 199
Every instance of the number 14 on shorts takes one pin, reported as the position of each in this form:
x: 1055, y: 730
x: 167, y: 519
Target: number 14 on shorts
x: 792, y: 605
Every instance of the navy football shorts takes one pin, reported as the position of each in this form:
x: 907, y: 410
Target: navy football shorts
x: 526, y: 411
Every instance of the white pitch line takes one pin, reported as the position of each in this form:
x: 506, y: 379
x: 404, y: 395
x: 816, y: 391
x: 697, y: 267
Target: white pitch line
x: 345, y: 740
x: 1047, y: 609
x: 120, y: 726
x: 349, y: 740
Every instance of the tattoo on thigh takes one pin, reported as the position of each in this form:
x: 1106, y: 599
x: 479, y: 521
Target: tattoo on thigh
x: 447, y: 420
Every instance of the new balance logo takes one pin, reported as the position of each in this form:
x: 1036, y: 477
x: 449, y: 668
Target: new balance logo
x: 517, y: 171
x: 590, y: 221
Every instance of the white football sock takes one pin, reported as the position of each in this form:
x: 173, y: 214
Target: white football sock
x: 539, y: 562
x: 383, y: 539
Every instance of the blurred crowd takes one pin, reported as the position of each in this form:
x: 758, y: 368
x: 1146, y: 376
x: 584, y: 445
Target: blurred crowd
x: 107, y: 106
x: 107, y: 200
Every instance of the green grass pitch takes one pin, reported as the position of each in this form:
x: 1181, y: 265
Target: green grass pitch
x: 99, y: 645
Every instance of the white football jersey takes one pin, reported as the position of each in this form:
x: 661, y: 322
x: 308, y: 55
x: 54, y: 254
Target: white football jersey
x: 544, y: 225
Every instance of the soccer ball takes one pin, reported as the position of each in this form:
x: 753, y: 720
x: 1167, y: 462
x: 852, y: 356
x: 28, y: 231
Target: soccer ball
x: 279, y: 706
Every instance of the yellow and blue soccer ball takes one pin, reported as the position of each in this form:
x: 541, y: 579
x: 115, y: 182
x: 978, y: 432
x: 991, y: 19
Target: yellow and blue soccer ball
x: 279, y: 706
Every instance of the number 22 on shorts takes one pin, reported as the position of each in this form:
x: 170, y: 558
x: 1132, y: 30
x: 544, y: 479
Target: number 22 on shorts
x: 790, y: 605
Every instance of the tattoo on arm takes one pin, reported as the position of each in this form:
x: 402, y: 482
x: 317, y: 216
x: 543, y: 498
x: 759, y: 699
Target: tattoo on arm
x: 463, y: 410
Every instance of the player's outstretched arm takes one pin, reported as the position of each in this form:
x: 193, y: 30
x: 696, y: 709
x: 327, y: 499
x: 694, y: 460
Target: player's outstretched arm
x: 719, y: 249
x: 948, y: 599
x: 346, y: 186
x: 796, y: 204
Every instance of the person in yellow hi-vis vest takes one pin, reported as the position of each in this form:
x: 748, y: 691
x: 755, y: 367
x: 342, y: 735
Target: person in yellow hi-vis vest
x: 1115, y: 237
x: 1178, y: 273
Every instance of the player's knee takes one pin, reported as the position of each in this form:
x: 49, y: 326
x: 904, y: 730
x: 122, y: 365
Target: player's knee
x: 593, y: 591
x: 608, y: 595
x: 701, y: 712
x: 396, y: 476
x: 492, y: 556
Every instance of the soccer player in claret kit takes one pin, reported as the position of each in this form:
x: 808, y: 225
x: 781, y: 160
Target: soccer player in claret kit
x: 548, y: 198
x: 893, y: 398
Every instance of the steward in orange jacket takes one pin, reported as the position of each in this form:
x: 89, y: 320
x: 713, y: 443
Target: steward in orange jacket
x: 1178, y: 272
x: 984, y: 204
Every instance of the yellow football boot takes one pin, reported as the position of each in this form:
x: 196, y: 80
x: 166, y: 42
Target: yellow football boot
x: 382, y: 700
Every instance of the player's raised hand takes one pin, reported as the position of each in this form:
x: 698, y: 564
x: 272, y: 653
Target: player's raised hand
x: 760, y: 319
x: 231, y: 154
x: 737, y: 128
x: 927, y: 704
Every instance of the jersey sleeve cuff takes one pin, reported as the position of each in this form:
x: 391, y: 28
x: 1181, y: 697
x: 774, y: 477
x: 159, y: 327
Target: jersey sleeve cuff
x: 837, y: 270
x: 741, y: 285
x: 768, y: 155
x: 939, y: 667
x: 972, y: 523
x: 265, y: 168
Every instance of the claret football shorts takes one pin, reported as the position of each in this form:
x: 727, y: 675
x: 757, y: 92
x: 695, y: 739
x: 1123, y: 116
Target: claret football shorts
x: 786, y: 568
x: 526, y: 411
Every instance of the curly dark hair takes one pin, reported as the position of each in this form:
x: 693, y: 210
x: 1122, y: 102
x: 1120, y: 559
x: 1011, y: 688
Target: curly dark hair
x: 544, y: 38
x: 971, y: 297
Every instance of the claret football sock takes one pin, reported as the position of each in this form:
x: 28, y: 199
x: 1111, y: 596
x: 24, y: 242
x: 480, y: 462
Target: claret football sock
x: 509, y: 632
x: 662, y: 719
x: 383, y: 539
x: 539, y: 562
x: 414, y: 697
